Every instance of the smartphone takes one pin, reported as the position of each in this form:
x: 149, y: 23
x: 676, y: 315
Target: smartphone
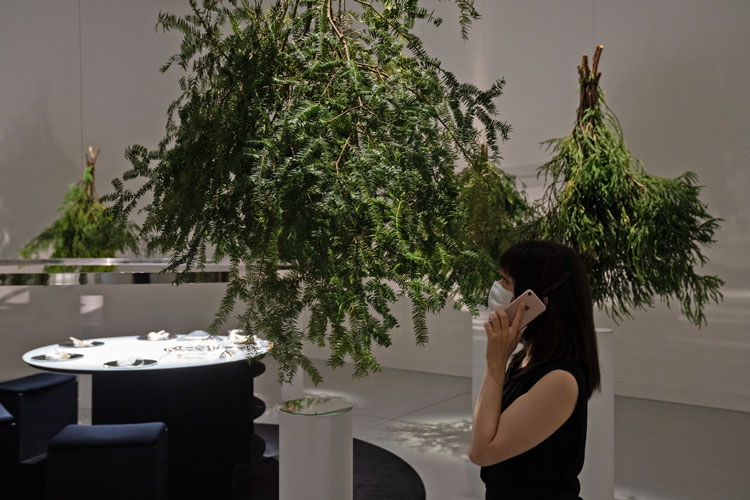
x: 534, y: 307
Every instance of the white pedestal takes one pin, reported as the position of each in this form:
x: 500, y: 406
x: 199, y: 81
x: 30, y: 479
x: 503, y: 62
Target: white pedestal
x: 478, y: 348
x: 598, y: 474
x: 316, y: 449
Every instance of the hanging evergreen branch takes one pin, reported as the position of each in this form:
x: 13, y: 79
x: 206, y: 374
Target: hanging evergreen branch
x: 85, y: 229
x: 494, y: 212
x: 640, y: 236
x: 310, y: 150
x: 467, y: 14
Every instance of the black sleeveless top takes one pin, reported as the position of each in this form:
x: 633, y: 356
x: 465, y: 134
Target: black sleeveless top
x: 549, y: 471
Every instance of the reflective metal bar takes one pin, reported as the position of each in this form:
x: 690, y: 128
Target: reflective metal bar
x: 49, y: 272
x: 105, y: 261
x: 109, y: 278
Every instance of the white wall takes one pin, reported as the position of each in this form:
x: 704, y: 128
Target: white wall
x: 74, y: 74
x: 675, y: 72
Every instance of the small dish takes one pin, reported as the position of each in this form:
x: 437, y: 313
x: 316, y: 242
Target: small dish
x: 171, y: 336
x: 239, y: 337
x: 137, y: 363
x: 197, y: 335
x: 70, y: 343
x: 45, y: 357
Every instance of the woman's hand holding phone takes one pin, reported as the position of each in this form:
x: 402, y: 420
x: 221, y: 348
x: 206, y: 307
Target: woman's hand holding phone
x: 503, y: 335
x: 505, y: 327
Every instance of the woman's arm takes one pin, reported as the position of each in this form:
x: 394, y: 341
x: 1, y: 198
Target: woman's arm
x: 499, y: 435
x: 486, y: 412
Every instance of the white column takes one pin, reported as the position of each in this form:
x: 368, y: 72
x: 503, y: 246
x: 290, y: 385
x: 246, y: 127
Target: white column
x: 598, y: 474
x: 478, y: 348
x: 316, y: 449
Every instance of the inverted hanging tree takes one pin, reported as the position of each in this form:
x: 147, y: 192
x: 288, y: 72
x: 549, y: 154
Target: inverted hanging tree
x: 641, y: 236
x: 84, y: 229
x: 314, y: 147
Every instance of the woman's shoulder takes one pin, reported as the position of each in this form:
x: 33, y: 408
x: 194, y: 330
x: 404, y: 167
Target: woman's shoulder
x: 564, y: 364
x: 575, y: 368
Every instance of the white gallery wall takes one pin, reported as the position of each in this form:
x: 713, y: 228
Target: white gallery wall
x: 675, y: 72
x: 75, y: 73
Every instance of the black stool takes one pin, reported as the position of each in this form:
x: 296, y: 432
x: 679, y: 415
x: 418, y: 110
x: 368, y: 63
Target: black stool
x: 41, y: 405
x: 7, y: 428
x: 123, y: 461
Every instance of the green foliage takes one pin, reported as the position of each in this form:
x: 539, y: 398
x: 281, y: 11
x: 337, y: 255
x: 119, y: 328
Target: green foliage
x: 84, y: 229
x: 493, y: 215
x: 640, y: 236
x: 314, y: 147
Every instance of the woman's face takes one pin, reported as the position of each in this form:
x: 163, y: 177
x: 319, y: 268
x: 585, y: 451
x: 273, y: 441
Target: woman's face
x: 506, y: 281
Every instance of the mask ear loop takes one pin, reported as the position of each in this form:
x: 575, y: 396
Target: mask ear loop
x: 556, y: 284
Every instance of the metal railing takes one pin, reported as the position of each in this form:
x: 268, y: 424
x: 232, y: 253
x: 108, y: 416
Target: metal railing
x: 106, y: 271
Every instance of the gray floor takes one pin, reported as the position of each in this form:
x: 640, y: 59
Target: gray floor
x: 664, y: 451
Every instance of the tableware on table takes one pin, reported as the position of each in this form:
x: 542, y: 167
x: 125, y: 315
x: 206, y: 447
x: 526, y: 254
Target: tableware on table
x: 243, y: 340
x: 187, y: 351
x: 204, y: 347
x: 157, y: 336
x: 228, y: 352
x: 262, y: 344
x: 197, y: 344
x: 252, y: 348
x: 197, y: 335
x: 130, y: 363
x: 78, y: 343
x: 57, y: 356
x: 239, y: 336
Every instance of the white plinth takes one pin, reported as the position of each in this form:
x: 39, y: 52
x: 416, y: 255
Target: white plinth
x: 316, y: 449
x: 478, y: 348
x: 598, y: 474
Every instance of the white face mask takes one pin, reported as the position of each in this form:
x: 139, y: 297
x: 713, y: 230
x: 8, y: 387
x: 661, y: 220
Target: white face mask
x: 499, y: 297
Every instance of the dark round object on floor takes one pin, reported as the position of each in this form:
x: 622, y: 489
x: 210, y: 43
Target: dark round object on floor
x: 378, y: 473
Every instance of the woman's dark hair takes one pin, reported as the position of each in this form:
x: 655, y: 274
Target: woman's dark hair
x: 565, y: 331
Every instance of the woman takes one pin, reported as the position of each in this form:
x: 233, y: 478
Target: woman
x: 529, y: 432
